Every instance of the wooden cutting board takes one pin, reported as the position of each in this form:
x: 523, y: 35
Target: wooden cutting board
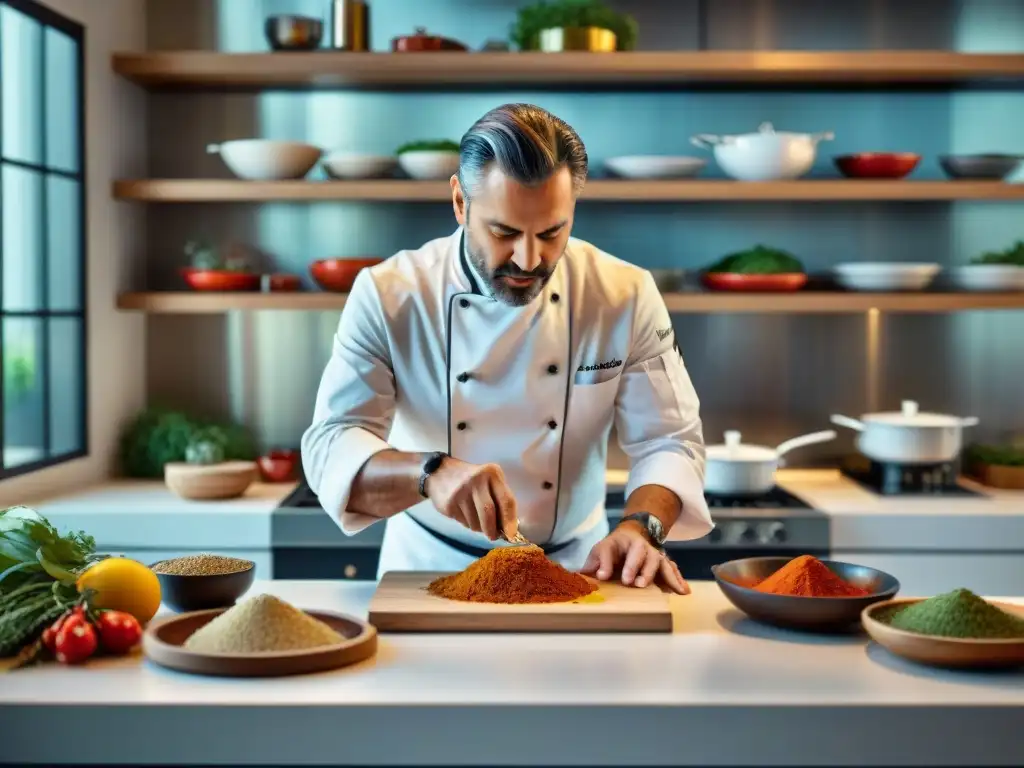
x: 402, y: 604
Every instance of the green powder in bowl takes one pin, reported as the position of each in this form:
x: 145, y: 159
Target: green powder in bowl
x: 960, y: 614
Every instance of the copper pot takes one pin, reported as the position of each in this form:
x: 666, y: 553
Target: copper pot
x: 421, y: 41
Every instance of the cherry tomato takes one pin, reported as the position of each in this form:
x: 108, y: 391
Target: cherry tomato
x: 50, y: 633
x: 76, y: 641
x: 119, y: 631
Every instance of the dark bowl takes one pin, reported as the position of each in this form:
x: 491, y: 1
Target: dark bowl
x: 821, y: 614
x: 980, y: 167
x: 197, y: 593
x: 293, y: 33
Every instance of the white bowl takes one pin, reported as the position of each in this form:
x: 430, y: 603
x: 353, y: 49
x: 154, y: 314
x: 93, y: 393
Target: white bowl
x: 655, y: 166
x: 429, y: 165
x: 989, y: 277
x: 266, y: 159
x: 875, y: 276
x: 353, y: 165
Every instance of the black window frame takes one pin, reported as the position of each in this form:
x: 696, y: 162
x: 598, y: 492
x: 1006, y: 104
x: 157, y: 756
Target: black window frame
x: 47, y: 17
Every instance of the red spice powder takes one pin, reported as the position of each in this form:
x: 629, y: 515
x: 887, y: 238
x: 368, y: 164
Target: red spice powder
x: 807, y: 576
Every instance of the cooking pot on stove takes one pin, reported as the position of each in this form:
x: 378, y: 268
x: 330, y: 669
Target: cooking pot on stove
x: 908, y: 436
x: 740, y: 469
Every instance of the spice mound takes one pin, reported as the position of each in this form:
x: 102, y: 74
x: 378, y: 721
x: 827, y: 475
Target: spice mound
x: 202, y: 565
x: 807, y: 576
x: 262, y: 623
x: 961, y: 614
x: 513, y: 575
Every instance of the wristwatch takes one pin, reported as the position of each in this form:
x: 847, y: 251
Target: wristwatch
x: 655, y: 531
x: 430, y: 466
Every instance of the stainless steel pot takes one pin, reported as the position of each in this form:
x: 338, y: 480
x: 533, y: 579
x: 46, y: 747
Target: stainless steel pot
x: 908, y: 436
x: 739, y: 469
x: 293, y: 33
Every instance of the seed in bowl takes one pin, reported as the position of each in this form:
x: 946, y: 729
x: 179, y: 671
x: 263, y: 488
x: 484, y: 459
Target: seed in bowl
x: 202, y: 565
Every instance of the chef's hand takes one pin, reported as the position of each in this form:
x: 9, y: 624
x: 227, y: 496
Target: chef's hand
x: 475, y: 495
x: 641, y: 562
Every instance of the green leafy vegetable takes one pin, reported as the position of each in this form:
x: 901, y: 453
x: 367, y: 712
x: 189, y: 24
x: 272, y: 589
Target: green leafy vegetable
x: 532, y: 19
x: 759, y: 260
x: 996, y: 455
x: 429, y: 145
x: 31, y: 547
x: 158, y: 436
x: 1014, y: 255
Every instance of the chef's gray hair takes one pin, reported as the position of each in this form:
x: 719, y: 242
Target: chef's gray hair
x: 528, y: 143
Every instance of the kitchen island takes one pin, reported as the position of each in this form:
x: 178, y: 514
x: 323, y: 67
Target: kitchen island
x: 719, y: 690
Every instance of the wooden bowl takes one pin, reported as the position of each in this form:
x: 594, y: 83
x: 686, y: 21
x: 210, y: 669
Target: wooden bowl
x: 826, y: 614
x: 339, y: 274
x: 951, y: 652
x: 197, y: 593
x: 163, y: 644
x: 224, y: 480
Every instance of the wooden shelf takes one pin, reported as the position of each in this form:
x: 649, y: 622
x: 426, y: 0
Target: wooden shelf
x: 801, y: 302
x: 826, y: 190
x: 448, y: 71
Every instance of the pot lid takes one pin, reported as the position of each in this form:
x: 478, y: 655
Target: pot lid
x: 910, y: 416
x: 735, y: 450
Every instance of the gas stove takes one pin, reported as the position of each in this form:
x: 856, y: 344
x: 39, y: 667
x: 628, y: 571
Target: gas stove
x: 894, y: 479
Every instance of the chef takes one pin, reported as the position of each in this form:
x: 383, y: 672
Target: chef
x: 473, y: 382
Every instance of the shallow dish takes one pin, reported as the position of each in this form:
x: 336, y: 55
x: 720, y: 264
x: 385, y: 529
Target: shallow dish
x: 429, y: 164
x: 200, y: 482
x: 163, y: 644
x: 354, y: 165
x: 805, y: 613
x: 339, y: 274
x: 655, y: 166
x: 730, y: 281
x: 877, y: 165
x: 942, y: 651
x: 990, y: 167
x: 220, y: 280
x: 988, y: 277
x: 197, y: 593
x: 267, y: 159
x: 880, y: 276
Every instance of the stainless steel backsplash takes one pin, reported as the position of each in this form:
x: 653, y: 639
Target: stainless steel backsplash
x: 770, y: 376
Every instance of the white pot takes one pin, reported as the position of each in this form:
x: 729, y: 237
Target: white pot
x: 765, y: 155
x: 429, y: 165
x: 354, y: 165
x: 266, y: 159
x: 908, y: 436
x: 739, y: 469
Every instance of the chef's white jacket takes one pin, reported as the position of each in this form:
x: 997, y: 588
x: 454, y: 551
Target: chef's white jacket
x: 425, y: 360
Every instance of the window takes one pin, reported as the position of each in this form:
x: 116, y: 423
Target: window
x: 42, y: 238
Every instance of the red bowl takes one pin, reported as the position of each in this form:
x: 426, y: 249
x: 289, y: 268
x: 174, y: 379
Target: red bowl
x: 339, y: 274
x: 278, y: 466
x: 220, y: 280
x: 877, y: 165
x: 283, y: 281
x: 730, y: 281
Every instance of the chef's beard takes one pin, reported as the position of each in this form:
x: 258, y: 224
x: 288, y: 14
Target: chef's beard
x: 500, y: 290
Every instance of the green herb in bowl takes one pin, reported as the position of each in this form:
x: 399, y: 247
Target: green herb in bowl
x: 759, y: 260
x: 532, y: 19
x: 428, y: 145
x: 1013, y: 256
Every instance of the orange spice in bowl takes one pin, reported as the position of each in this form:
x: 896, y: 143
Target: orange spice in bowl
x: 807, y: 576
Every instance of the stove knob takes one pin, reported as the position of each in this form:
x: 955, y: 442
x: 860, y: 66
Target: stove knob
x: 774, y: 533
x: 350, y: 571
x: 748, y: 535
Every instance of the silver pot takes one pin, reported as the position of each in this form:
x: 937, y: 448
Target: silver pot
x: 766, y: 155
x: 739, y: 469
x: 908, y: 436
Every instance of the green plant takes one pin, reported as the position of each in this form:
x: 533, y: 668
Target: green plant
x: 19, y: 373
x: 1014, y: 255
x: 160, y: 435
x: 202, y: 255
x: 204, y: 451
x: 429, y: 145
x: 995, y: 455
x: 532, y: 19
x: 759, y: 260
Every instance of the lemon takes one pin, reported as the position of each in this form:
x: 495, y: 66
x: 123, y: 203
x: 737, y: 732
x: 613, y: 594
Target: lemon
x: 122, y: 584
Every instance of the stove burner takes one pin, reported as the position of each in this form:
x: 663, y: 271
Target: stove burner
x: 776, y: 498
x: 892, y: 479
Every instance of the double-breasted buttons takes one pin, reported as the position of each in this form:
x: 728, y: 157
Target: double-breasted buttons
x: 547, y: 486
x: 554, y: 298
x: 464, y: 303
x: 552, y: 424
x: 461, y: 426
x: 462, y: 378
x: 552, y: 369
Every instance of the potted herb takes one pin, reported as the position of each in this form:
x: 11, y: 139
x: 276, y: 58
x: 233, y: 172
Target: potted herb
x: 994, y: 270
x: 573, y: 25
x: 997, y: 466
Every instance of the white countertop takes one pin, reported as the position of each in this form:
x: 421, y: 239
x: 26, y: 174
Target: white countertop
x: 728, y: 691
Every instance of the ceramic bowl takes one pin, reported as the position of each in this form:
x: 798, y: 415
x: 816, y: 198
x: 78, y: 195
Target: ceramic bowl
x: 278, y: 466
x: 220, y: 280
x: 266, y: 159
x: 825, y: 614
x: 877, y: 165
x: 988, y: 277
x: 883, y: 276
x: 429, y: 165
x: 655, y: 166
x: 354, y: 165
x: 988, y: 167
x: 198, y: 593
x: 339, y: 274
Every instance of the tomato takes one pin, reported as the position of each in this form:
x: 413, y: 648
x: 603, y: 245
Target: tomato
x: 50, y: 633
x: 76, y: 641
x: 119, y: 631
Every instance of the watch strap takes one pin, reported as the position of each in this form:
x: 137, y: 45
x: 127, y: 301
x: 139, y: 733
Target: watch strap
x: 430, y: 466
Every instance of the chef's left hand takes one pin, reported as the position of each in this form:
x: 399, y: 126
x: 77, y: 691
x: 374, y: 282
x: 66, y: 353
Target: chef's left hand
x: 641, y: 563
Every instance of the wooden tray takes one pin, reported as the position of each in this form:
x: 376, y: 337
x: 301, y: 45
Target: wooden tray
x: 944, y: 651
x: 163, y: 640
x: 402, y: 604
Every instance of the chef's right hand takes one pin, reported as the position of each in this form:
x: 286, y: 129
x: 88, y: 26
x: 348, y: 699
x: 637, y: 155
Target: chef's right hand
x: 475, y: 495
